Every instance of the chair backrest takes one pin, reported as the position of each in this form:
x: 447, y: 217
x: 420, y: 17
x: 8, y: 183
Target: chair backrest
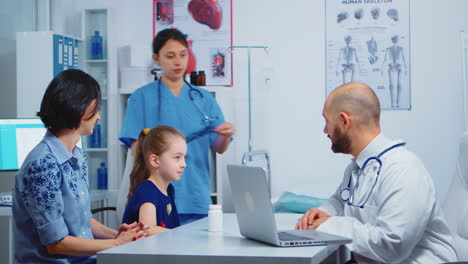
x: 124, y: 185
x: 456, y: 202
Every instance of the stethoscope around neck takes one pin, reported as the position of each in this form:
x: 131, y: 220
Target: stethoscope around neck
x: 348, y: 194
x: 206, y: 120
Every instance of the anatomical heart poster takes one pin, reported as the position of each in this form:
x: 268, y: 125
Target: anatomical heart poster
x: 207, y: 25
x: 369, y: 41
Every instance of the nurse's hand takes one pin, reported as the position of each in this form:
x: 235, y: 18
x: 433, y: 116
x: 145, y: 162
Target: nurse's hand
x: 307, y: 221
x: 225, y: 129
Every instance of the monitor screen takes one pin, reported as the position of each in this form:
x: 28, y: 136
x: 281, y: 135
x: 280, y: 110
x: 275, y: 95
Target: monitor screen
x: 17, y: 138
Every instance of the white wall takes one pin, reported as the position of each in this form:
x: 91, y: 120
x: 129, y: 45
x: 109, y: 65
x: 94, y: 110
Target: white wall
x: 291, y: 125
x: 14, y: 16
x: 302, y: 159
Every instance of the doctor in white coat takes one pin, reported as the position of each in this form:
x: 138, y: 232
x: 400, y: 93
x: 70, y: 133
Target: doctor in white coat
x: 386, y: 202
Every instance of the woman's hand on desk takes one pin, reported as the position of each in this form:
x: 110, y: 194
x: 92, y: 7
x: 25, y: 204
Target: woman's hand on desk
x: 131, y: 232
x: 312, y: 219
x: 126, y: 227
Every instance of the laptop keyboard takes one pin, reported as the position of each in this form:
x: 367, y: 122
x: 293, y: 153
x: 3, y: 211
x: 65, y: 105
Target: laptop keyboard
x: 285, y: 236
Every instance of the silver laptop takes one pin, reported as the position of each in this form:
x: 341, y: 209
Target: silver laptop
x: 255, y: 214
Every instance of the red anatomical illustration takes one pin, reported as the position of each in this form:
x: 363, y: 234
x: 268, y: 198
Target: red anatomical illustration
x: 207, y: 12
x: 192, y: 63
x: 165, y: 12
x: 217, y: 64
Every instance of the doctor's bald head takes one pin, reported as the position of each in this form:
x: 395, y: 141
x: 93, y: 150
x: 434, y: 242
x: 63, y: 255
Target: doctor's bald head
x: 352, y: 114
x: 358, y: 100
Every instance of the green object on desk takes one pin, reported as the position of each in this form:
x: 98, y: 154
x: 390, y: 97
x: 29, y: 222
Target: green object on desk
x: 292, y: 203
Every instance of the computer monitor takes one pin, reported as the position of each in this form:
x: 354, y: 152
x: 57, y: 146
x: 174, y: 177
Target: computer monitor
x: 17, y: 138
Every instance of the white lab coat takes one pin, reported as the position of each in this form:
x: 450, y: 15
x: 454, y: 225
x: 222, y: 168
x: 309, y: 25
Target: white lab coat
x: 401, y: 222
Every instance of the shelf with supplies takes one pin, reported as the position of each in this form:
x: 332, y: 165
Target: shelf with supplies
x: 95, y: 61
x: 126, y: 91
x: 95, y: 35
x: 96, y: 149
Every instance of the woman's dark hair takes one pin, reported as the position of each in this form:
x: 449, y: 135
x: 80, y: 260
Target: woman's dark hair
x: 164, y: 35
x: 66, y: 99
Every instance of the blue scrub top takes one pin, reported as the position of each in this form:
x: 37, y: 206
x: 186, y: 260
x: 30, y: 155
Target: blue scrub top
x: 193, y: 189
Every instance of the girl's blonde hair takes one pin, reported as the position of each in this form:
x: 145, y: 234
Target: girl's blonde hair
x: 150, y: 141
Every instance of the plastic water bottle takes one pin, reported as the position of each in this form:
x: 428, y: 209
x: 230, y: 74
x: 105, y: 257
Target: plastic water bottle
x: 95, y: 139
x: 102, y: 177
x: 215, y: 218
x: 96, y: 46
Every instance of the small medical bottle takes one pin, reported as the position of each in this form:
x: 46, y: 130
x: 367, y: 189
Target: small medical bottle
x: 95, y: 138
x: 102, y: 177
x: 201, y: 79
x: 215, y: 218
x: 193, y: 78
x: 96, y: 46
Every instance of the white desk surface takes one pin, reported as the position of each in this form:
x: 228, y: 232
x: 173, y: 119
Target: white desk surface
x: 193, y: 243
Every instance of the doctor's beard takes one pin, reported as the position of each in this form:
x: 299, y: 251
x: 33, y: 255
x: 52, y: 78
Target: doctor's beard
x: 341, y: 143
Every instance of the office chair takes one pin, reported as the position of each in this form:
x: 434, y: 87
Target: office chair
x: 123, y: 191
x: 456, y: 202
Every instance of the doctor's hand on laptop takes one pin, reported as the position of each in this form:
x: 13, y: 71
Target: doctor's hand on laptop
x: 312, y: 219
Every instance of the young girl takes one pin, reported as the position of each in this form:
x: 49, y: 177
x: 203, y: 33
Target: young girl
x: 159, y: 159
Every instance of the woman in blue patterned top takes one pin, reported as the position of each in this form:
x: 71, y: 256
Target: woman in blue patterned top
x: 51, y: 204
x: 159, y: 159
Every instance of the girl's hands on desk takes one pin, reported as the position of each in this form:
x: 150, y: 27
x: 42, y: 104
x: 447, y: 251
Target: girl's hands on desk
x: 312, y: 219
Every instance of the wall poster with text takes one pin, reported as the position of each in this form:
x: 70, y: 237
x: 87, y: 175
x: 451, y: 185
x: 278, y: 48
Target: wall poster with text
x: 369, y: 41
x: 208, y: 27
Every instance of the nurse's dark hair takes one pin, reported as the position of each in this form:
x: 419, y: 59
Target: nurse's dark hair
x: 150, y: 141
x: 166, y: 34
x: 66, y: 99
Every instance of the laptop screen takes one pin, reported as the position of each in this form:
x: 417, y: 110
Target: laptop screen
x: 17, y: 138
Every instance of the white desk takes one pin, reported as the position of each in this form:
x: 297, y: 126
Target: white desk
x: 193, y: 244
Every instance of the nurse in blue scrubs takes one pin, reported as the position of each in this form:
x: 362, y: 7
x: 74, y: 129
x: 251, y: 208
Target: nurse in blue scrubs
x: 171, y: 101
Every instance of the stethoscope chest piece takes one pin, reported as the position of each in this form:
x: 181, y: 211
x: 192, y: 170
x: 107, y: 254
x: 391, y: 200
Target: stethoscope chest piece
x: 345, y: 194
